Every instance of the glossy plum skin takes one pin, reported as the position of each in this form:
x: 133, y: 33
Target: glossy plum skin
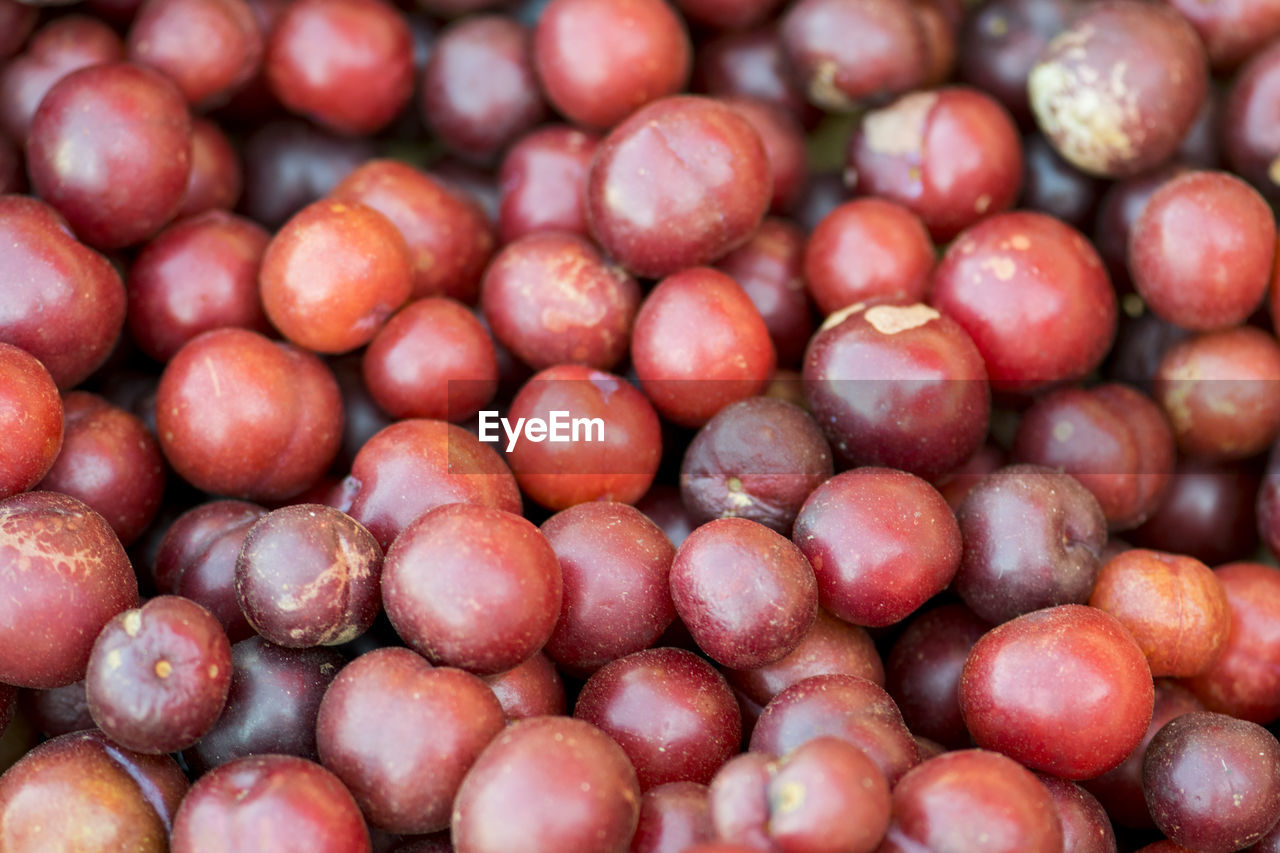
x: 1243, y: 680
x: 1120, y: 789
x: 333, y: 274
x: 207, y: 47
x: 196, y: 559
x: 83, y: 779
x: 747, y: 595
x: 1137, y: 122
x: 751, y: 63
x: 837, y: 72
x: 271, y: 705
x: 831, y: 647
x: 31, y: 415
x: 699, y: 344
x: 158, y: 676
x: 599, y: 60
x: 1034, y: 296
x: 844, y: 706
x: 1208, y: 513
x: 347, y: 64
x: 758, y: 459
x: 1033, y: 538
x: 479, y: 92
x: 669, y: 710
x: 673, y: 817
x: 432, y: 359
x: 1195, y: 229
x: 551, y: 783
x: 1213, y: 782
x: 951, y: 156
x: 1249, y: 124
x: 899, y: 386
x: 825, y: 796
x: 217, y: 175
x: 614, y: 564
x: 100, y: 123
x: 922, y: 672
x: 111, y: 461
x: 1216, y: 391
x: 618, y: 450
x: 308, y: 575
x: 679, y: 183
x: 270, y: 437
x: 868, y: 249
x: 448, y: 236
x: 415, y: 465
x: 54, y: 275
x: 907, y: 547
x: 68, y: 577
x: 463, y: 553
x: 973, y: 799
x: 770, y: 268
x: 552, y: 299
x: 1101, y: 689
x: 532, y: 689
x: 1173, y: 605
x: 279, y: 802
x: 999, y: 45
x: 370, y: 733
x: 1112, y: 438
x: 541, y: 181
x: 196, y: 275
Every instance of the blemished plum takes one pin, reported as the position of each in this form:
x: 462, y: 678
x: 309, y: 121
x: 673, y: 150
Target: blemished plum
x: 1138, y: 119
x: 899, y: 386
x: 1034, y: 296
x: 68, y: 576
x: 308, y: 575
x: 551, y: 783
x: 759, y: 459
x: 951, y: 156
x: 158, y: 676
